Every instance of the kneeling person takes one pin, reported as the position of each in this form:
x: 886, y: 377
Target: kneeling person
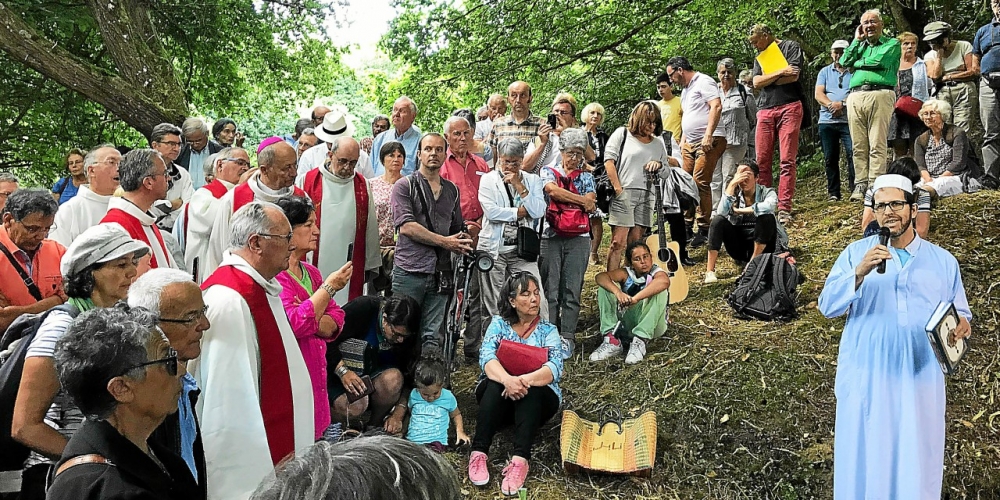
x: 637, y: 296
x: 746, y: 221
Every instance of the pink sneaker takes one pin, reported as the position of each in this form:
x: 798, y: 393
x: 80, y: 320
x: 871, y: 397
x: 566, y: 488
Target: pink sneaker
x: 479, y: 472
x: 514, y: 475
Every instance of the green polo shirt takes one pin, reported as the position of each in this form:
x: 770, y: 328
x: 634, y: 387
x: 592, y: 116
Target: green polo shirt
x: 876, y: 63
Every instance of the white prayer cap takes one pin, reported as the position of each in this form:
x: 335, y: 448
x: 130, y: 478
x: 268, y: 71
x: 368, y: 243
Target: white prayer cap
x: 99, y: 244
x: 892, y: 181
x: 839, y: 44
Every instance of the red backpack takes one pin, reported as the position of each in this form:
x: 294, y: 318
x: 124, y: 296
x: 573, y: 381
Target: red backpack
x: 566, y: 219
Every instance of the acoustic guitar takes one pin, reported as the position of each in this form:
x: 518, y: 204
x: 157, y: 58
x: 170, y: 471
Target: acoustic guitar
x: 667, y: 254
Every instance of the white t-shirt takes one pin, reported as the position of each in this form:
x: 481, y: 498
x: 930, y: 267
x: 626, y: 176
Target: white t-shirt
x: 956, y: 60
x: 694, y: 105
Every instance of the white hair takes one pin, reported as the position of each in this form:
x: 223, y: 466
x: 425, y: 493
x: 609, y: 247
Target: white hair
x: 250, y: 219
x: 451, y: 120
x: 877, y: 13
x: 91, y: 158
x: 192, y: 125
x: 146, y: 291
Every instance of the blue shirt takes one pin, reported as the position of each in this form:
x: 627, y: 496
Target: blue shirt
x: 545, y: 335
x: 987, y: 38
x: 837, y: 86
x: 188, y: 424
x: 429, y: 420
x: 68, y: 192
x: 409, y: 139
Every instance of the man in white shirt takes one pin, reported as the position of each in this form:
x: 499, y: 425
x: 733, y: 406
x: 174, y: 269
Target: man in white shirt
x: 166, y: 140
x: 703, y: 141
x: 334, y: 126
x: 88, y: 207
x: 256, y: 405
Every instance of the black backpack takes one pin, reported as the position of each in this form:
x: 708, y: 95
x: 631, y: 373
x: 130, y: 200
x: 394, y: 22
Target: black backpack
x: 766, y: 290
x: 13, y: 347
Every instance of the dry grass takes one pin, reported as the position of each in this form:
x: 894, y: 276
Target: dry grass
x: 773, y: 382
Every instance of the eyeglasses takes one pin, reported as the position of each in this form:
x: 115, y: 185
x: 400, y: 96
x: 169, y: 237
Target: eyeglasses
x: 286, y: 237
x: 895, y: 205
x: 111, y: 162
x: 36, y: 229
x: 560, y: 112
x: 344, y: 162
x: 239, y: 161
x: 169, y: 362
x: 575, y: 155
x: 670, y: 74
x: 153, y: 176
x: 188, y: 321
x: 172, y: 144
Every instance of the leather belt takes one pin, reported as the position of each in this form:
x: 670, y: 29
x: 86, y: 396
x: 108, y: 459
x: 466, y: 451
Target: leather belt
x: 871, y: 86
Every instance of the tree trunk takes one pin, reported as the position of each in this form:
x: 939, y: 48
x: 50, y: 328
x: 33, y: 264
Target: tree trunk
x: 144, y: 92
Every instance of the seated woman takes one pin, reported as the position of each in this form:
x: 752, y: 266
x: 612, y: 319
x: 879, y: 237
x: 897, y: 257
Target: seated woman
x: 745, y: 223
x: 98, y: 269
x: 634, y: 299
x: 380, y: 338
x: 944, y: 154
x: 527, y: 400
x: 118, y: 368
x: 907, y: 167
x: 374, y: 468
x: 314, y: 316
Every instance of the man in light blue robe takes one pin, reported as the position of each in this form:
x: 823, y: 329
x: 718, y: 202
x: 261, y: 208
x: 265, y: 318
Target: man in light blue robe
x: 889, y: 436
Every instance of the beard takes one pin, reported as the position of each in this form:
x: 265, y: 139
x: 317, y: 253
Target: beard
x: 904, y: 227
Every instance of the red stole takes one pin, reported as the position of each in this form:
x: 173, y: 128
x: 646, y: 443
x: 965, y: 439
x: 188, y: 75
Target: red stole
x: 134, y: 228
x: 242, y: 195
x: 275, y: 382
x: 215, y: 187
x: 314, y: 187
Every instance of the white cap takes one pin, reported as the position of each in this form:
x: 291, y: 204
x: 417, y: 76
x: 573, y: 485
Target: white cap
x: 892, y: 181
x: 839, y: 44
x: 99, y: 244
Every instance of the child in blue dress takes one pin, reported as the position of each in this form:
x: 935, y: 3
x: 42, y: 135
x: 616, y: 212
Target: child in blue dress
x: 431, y: 406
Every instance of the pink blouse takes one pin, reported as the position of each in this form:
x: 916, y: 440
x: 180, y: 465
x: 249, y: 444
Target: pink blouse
x: 302, y: 317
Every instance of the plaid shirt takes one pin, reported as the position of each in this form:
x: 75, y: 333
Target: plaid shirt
x: 505, y: 127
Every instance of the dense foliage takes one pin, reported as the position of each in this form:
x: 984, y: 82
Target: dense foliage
x: 611, y: 51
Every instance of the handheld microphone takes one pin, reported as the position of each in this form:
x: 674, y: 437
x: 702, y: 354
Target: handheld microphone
x: 883, y: 239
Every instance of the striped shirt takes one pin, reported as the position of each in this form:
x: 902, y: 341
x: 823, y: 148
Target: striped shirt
x: 63, y: 415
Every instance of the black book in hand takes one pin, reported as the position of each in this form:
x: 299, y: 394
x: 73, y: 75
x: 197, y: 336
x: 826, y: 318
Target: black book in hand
x: 939, y: 329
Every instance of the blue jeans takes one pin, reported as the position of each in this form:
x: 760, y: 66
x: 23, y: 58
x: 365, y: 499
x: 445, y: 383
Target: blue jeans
x: 423, y: 288
x: 829, y: 134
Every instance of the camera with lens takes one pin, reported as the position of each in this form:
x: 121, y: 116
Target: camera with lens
x: 445, y: 282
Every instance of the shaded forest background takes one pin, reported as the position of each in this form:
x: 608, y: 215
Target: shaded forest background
x: 74, y: 73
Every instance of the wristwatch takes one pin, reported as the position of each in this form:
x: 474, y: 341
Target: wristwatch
x: 341, y: 371
x: 328, y: 289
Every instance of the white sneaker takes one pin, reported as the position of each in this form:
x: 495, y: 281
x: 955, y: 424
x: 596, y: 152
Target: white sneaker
x: 606, y: 350
x: 636, y: 352
x: 710, y: 277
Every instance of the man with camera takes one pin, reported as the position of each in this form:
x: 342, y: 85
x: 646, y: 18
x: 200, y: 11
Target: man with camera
x: 428, y: 215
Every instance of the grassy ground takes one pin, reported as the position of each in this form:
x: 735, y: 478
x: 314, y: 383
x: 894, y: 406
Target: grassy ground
x: 745, y: 409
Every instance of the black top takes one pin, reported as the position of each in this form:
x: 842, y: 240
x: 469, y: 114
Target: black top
x: 775, y: 95
x: 184, y: 158
x: 168, y: 435
x: 134, y: 474
x: 360, y: 316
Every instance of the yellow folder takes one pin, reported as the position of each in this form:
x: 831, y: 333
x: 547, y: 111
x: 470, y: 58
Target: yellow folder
x: 771, y: 59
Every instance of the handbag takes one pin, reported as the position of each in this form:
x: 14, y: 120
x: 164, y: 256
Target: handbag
x: 528, y: 245
x: 615, y: 445
x: 566, y: 219
x: 909, y: 106
x: 518, y: 359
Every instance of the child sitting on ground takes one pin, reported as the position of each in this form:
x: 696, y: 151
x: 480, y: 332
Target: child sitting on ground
x: 430, y: 407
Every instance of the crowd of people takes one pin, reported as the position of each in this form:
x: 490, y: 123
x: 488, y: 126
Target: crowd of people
x: 205, y: 318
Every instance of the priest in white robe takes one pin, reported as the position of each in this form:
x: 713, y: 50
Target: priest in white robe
x: 890, y: 428
x: 88, y: 207
x: 199, y: 215
x: 345, y: 214
x: 273, y: 180
x: 335, y: 125
x: 143, y: 177
x: 256, y: 405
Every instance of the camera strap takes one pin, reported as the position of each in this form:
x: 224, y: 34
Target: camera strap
x: 443, y: 257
